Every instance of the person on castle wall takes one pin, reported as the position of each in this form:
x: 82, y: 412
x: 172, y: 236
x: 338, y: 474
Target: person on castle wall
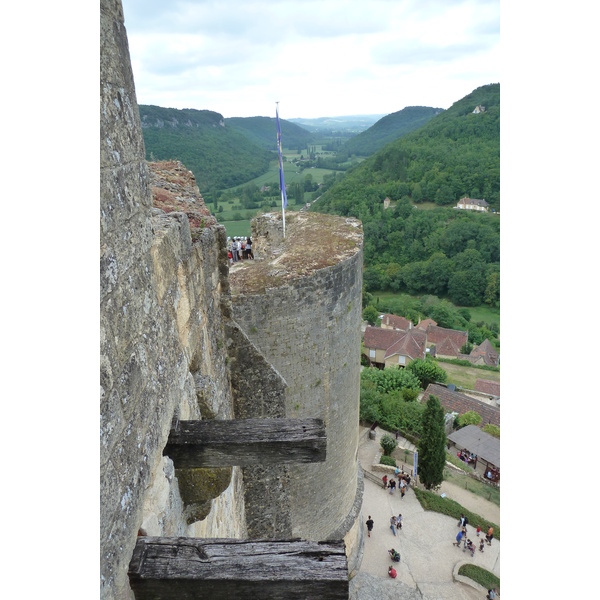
x: 249, y: 248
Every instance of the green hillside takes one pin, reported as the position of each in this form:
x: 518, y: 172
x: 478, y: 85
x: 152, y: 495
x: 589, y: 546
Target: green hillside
x: 262, y: 131
x: 386, y: 130
x: 456, y: 153
x: 218, y: 155
x: 436, y: 250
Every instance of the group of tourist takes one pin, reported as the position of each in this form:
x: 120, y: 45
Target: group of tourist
x: 461, y: 536
x: 239, y: 248
x: 468, y: 457
x: 403, y: 482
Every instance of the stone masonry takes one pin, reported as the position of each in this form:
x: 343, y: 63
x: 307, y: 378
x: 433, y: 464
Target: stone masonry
x: 171, y: 348
x: 299, y: 302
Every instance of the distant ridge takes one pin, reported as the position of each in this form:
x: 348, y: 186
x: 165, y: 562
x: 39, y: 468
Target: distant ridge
x: 349, y: 123
x: 387, y: 129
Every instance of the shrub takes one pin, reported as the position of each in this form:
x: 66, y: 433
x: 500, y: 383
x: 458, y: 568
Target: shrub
x: 388, y: 443
x: 481, y: 576
x: 427, y: 371
x: 492, y: 429
x: 387, y: 460
x: 370, y: 314
x: 469, y: 418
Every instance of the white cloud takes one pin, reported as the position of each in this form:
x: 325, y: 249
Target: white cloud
x: 316, y: 57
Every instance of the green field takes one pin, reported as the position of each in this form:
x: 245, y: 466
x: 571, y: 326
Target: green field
x: 465, y: 377
x: 237, y: 220
x: 237, y: 228
x: 486, y: 314
x: 291, y: 174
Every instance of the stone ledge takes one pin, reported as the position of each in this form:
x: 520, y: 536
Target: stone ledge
x: 466, y: 580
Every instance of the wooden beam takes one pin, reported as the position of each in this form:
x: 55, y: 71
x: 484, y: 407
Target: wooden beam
x: 246, y: 442
x: 217, y: 569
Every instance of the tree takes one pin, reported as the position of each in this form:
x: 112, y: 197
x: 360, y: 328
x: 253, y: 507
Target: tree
x: 370, y: 314
x: 469, y: 418
x: 432, y: 445
x: 491, y: 295
x: 388, y: 443
x: 427, y: 371
x: 466, y: 348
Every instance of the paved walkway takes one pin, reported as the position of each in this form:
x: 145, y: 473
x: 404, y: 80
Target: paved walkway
x: 428, y: 558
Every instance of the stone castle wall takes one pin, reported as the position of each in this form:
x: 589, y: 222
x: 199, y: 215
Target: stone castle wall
x: 170, y: 349
x: 163, y: 303
x: 308, y: 327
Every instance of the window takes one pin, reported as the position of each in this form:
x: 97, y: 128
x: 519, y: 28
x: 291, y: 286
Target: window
x: 371, y: 353
x: 401, y: 360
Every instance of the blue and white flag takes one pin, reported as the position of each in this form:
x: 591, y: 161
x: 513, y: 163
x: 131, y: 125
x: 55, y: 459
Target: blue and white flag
x: 281, y: 182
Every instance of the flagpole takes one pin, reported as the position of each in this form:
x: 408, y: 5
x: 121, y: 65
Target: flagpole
x: 281, y: 181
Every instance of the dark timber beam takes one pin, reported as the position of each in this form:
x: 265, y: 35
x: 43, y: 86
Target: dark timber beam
x: 246, y: 442
x: 217, y: 569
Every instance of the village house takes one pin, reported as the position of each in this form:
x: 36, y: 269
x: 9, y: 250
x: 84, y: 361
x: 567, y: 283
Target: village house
x: 391, y: 347
x: 484, y: 354
x: 436, y: 341
x: 453, y: 401
x: 472, y: 204
x: 445, y: 343
x: 425, y: 323
x: 487, y: 387
x: 395, y: 322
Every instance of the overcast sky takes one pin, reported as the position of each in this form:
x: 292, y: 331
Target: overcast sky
x: 316, y: 57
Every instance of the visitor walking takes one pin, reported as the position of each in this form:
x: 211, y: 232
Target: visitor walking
x: 369, y: 525
x: 392, y: 486
x: 459, y: 537
x: 393, y: 524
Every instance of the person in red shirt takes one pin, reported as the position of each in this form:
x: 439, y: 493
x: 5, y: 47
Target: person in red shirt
x: 392, y: 572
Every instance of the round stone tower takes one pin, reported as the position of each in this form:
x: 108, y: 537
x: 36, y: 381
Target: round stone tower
x: 299, y: 302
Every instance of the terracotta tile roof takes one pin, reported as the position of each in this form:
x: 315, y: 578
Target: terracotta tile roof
x: 437, y: 335
x: 486, y: 386
x: 381, y: 339
x: 447, y: 347
x: 487, y: 352
x: 459, y: 403
x: 448, y: 342
x: 411, y: 343
x: 396, y: 322
x: 426, y: 323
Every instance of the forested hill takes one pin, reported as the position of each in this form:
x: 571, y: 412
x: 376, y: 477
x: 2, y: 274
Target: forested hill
x: 456, y: 153
x: 444, y: 252
x: 218, y: 155
x: 386, y: 130
x: 262, y: 131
